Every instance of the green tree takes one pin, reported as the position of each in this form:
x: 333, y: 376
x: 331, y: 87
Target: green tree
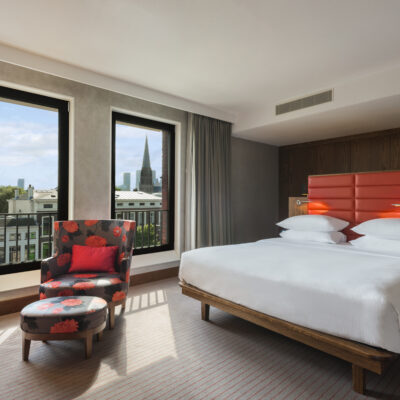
x: 142, y: 238
x: 6, y: 193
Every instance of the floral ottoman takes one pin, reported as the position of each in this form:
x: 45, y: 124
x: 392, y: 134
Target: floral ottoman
x: 63, y: 318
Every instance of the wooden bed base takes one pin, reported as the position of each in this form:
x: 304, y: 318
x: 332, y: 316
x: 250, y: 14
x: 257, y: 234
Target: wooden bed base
x: 361, y: 356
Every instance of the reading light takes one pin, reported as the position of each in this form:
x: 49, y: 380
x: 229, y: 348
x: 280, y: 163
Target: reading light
x: 300, y: 202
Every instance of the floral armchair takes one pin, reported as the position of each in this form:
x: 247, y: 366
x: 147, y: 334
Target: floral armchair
x: 112, y: 287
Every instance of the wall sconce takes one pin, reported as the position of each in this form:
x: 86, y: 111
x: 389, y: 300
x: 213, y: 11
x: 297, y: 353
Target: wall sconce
x: 396, y: 204
x: 300, y: 202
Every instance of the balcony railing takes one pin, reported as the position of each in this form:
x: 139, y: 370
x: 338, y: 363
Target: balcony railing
x: 152, y: 227
x: 26, y: 237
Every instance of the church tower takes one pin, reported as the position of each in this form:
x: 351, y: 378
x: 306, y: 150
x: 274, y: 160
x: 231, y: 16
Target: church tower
x: 146, y: 174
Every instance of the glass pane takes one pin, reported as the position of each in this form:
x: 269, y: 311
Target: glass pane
x: 141, y: 176
x: 28, y: 178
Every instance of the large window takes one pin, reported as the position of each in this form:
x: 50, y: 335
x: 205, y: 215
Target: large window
x: 143, y: 180
x: 33, y: 176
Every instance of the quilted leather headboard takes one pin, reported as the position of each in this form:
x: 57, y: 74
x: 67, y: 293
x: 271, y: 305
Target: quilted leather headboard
x: 355, y: 197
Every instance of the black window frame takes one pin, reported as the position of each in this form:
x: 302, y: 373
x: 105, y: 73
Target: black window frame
x: 165, y: 127
x: 62, y: 106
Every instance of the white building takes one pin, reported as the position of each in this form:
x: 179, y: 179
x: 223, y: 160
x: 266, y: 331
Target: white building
x: 138, y: 206
x: 27, y: 230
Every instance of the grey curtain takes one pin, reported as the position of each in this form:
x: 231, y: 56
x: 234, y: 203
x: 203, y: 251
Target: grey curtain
x: 208, y: 182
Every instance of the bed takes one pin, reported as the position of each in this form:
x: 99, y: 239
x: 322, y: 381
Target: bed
x: 335, y: 298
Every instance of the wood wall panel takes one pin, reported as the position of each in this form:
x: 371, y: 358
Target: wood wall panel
x: 375, y: 151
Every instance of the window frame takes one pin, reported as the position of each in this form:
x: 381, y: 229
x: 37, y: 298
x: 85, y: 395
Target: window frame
x: 62, y: 106
x: 165, y: 127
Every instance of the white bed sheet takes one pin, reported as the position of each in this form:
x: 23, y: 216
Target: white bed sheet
x: 335, y: 289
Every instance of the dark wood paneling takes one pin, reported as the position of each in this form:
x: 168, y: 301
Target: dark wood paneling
x: 375, y: 151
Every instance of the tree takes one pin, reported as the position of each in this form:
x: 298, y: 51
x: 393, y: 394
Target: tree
x: 142, y: 236
x: 6, y: 193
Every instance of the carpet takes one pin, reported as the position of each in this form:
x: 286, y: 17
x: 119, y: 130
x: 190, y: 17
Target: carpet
x: 161, y: 349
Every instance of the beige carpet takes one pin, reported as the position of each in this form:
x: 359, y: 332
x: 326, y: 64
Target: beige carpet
x: 160, y: 349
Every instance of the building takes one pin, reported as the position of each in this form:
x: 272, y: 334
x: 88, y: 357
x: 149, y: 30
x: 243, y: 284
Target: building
x: 146, y: 173
x: 21, y: 183
x: 27, y: 230
x: 127, y: 181
x: 138, y: 206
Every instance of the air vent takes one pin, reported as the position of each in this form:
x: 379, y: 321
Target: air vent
x: 304, y: 102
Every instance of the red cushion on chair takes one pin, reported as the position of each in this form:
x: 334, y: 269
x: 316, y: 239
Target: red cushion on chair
x: 99, y: 259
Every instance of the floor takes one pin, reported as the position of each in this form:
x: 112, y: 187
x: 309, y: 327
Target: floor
x: 161, y: 349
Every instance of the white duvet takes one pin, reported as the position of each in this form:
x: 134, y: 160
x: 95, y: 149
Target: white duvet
x: 331, y: 288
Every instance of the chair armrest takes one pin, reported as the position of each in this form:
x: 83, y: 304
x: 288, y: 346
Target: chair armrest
x: 125, y: 268
x: 46, y: 267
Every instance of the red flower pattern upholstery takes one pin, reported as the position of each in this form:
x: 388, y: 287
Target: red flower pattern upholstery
x: 64, y: 314
x: 55, y: 277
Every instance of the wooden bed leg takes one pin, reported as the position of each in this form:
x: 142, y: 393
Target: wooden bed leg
x: 358, y: 379
x: 205, y: 311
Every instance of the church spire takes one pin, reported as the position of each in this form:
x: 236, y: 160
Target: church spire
x: 146, y: 156
x: 146, y: 174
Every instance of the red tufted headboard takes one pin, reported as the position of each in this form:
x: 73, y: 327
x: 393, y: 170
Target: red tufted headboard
x: 355, y: 197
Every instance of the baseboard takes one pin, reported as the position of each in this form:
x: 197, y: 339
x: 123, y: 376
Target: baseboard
x: 154, y: 276
x: 13, y: 301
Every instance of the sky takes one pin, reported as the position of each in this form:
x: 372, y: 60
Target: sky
x: 29, y: 145
x: 129, y: 149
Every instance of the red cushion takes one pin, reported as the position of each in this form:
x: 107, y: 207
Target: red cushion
x: 99, y: 259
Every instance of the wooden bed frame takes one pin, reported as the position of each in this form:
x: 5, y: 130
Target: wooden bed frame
x: 361, y: 356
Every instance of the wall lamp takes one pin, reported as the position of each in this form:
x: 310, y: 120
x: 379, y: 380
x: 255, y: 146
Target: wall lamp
x: 396, y: 204
x: 300, y: 202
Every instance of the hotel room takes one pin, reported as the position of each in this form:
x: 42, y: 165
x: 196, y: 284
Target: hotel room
x: 199, y: 199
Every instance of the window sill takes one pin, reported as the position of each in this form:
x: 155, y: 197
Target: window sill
x: 140, y: 264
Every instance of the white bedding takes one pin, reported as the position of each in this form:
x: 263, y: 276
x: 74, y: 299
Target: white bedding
x: 331, y: 288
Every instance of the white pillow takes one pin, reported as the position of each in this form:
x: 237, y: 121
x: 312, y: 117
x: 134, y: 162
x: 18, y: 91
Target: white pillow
x: 388, y: 228
x: 377, y: 245
x: 311, y: 236
x: 316, y: 223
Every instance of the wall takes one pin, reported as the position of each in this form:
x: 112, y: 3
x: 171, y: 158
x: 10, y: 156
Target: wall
x: 90, y: 134
x: 376, y: 151
x: 254, y: 190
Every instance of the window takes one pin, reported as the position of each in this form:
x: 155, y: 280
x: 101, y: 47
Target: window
x: 33, y: 165
x: 47, y: 226
x: 143, y: 165
x: 46, y: 250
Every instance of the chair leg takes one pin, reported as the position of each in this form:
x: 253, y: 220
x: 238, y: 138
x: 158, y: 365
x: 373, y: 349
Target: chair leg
x: 123, y: 306
x: 26, y: 345
x: 111, y: 314
x: 99, y: 336
x: 88, y: 346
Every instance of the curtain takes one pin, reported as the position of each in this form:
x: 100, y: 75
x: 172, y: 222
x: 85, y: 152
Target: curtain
x: 208, y: 182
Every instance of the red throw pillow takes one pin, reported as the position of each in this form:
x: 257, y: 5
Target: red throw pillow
x: 99, y: 259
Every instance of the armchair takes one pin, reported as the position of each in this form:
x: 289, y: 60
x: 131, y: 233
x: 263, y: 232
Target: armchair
x: 56, y: 280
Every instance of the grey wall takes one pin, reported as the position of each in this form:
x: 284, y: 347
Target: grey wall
x: 255, y: 188
x: 91, y: 152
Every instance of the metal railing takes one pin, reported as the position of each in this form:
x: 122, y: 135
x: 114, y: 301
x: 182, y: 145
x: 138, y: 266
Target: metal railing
x: 26, y: 237
x: 152, y: 226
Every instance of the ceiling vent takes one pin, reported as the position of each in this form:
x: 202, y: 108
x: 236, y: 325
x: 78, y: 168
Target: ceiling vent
x: 304, y: 102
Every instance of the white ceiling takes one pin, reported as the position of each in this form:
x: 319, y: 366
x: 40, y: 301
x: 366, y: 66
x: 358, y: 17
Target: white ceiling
x: 238, y: 56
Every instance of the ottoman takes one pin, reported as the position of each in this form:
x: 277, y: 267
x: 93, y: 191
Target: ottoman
x: 63, y: 318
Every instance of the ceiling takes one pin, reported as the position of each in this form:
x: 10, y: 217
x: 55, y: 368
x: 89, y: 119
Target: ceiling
x: 241, y: 57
